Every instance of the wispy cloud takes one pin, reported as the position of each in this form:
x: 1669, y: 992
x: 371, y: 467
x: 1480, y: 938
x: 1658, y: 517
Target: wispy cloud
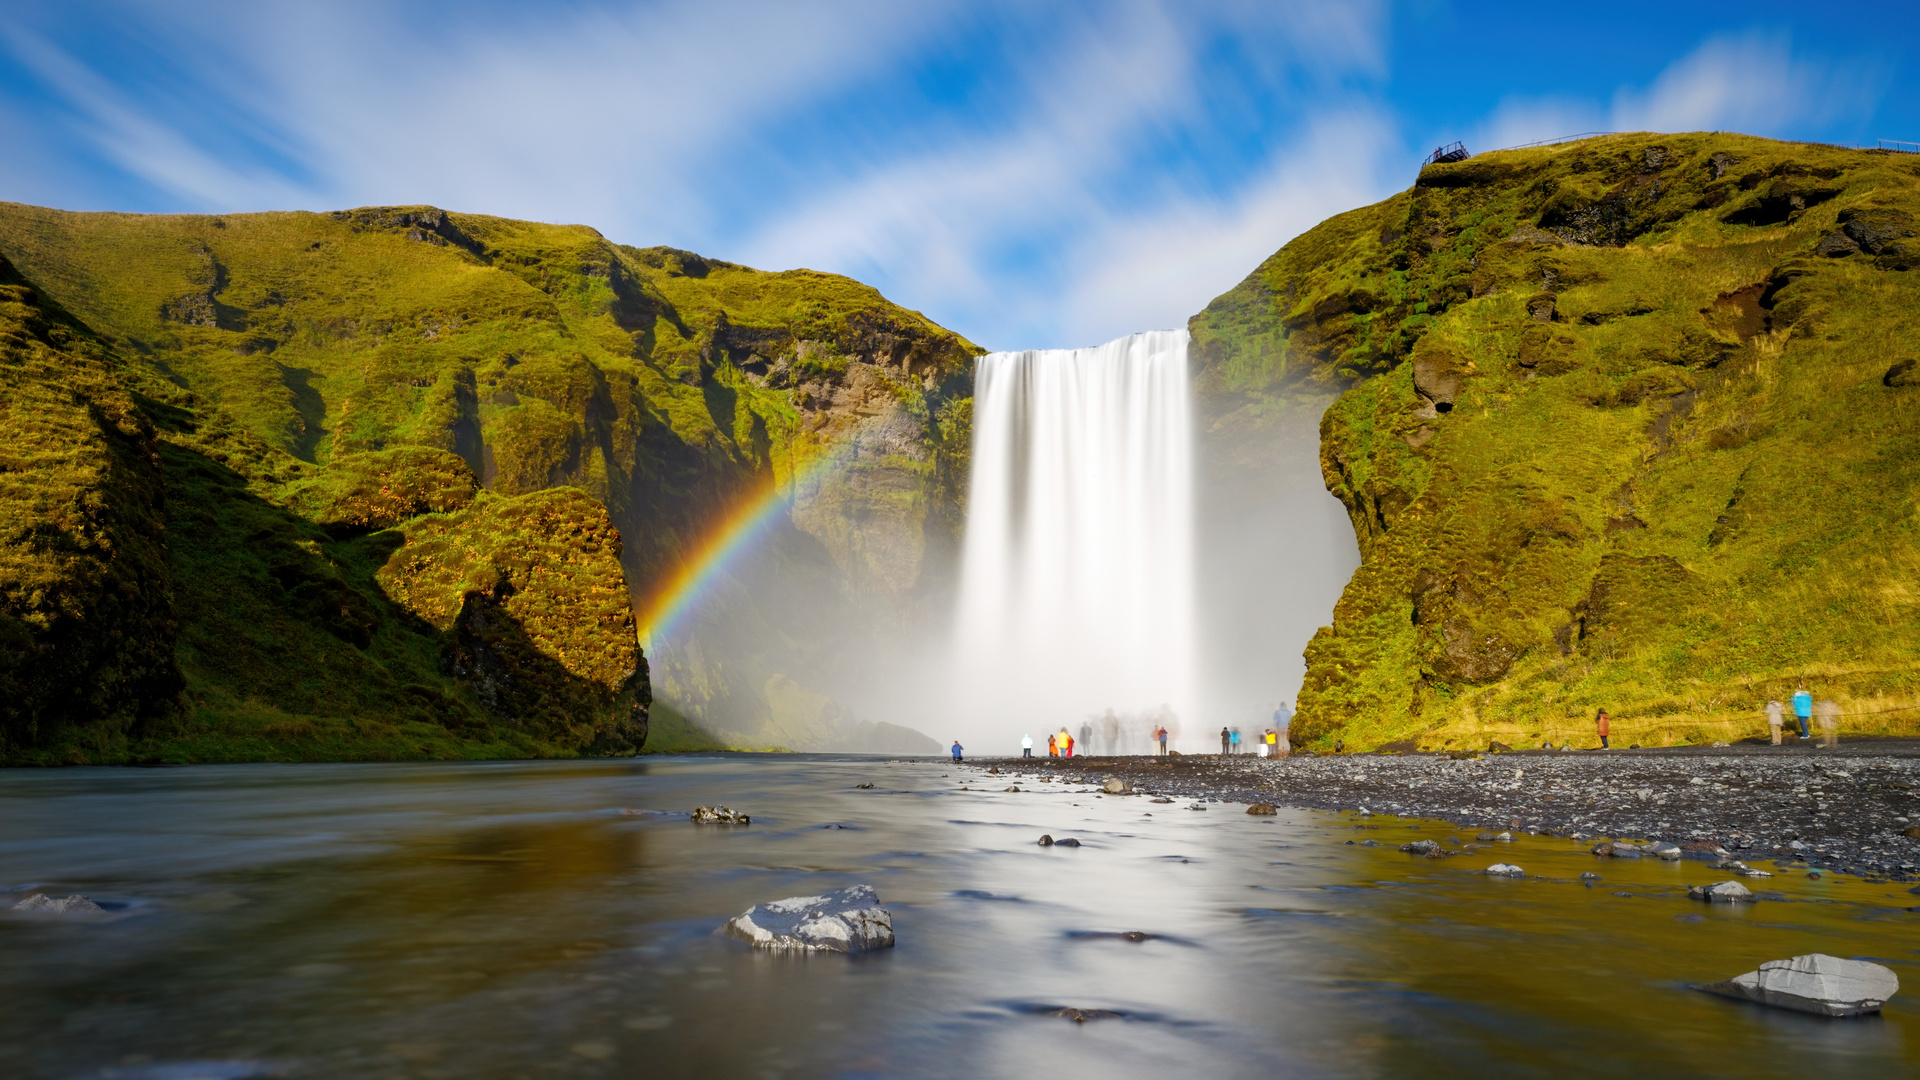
x: 1028, y: 174
x: 1752, y: 83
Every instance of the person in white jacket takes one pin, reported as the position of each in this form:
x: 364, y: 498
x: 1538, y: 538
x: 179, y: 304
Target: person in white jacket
x: 1026, y: 746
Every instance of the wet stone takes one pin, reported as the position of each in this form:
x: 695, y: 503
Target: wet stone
x: 718, y: 815
x: 1814, y: 983
x: 848, y: 920
x: 1724, y: 892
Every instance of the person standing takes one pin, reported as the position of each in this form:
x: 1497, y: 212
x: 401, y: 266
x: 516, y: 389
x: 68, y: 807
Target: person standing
x: 1236, y: 740
x: 1829, y: 713
x: 1224, y: 736
x: 1086, y: 737
x: 1774, y: 719
x: 1066, y: 743
x: 1053, y: 746
x: 1026, y: 746
x: 1803, y: 710
x: 1282, y: 717
x: 956, y: 751
x: 1602, y: 723
x: 1163, y: 740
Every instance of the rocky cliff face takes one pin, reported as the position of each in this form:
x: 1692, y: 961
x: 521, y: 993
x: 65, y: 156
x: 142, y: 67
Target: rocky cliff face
x: 327, y: 391
x: 1619, y: 423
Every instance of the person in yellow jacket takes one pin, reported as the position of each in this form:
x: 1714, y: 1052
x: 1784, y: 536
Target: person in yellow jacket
x: 1066, y: 743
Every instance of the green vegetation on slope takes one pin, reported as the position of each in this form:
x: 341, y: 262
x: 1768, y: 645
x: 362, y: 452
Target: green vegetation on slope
x: 304, y: 387
x: 1629, y: 422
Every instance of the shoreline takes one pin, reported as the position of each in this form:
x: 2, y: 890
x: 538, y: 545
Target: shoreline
x: 1842, y: 810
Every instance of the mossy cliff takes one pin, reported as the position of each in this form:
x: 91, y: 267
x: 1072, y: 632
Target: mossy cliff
x: 381, y: 482
x: 1630, y: 422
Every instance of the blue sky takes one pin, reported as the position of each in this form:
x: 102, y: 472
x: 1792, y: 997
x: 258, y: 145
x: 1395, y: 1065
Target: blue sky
x: 1029, y: 174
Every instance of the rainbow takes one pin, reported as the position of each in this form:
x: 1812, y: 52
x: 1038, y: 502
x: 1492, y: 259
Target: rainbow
x: 734, y: 534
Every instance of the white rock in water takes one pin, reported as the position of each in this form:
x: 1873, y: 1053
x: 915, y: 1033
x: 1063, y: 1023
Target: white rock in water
x: 1815, y: 983
x: 47, y: 905
x: 1116, y: 786
x: 846, y: 920
x: 1505, y: 869
x: 1725, y: 892
x: 1663, y: 849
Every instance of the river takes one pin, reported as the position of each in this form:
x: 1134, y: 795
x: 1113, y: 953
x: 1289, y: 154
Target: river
x: 515, y: 920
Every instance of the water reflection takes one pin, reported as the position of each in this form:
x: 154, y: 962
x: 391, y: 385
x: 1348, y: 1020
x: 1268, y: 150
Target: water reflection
x: 511, y: 920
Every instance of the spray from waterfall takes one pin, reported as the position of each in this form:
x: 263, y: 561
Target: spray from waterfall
x: 1077, y: 575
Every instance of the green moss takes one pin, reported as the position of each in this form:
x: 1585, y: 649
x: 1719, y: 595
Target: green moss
x: 1610, y: 433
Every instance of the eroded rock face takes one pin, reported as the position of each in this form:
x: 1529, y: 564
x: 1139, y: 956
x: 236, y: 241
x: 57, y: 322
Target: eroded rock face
x: 848, y: 920
x: 1815, y: 983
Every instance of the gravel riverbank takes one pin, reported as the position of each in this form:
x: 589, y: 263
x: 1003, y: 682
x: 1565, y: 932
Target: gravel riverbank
x: 1845, y: 810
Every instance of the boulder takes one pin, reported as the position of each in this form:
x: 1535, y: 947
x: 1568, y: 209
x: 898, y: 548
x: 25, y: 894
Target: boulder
x: 1427, y: 848
x: 1116, y: 786
x: 848, y: 920
x: 1505, y: 869
x: 1046, y: 840
x: 1589, y: 878
x: 718, y: 815
x: 1724, y: 892
x: 1505, y: 838
x: 1814, y: 983
x: 1604, y: 848
x: 1664, y: 850
x: 1262, y: 808
x: 1068, y: 842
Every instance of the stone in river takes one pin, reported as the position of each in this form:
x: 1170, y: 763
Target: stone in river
x: 1068, y: 842
x: 1046, y: 840
x: 1724, y: 892
x: 1815, y: 983
x: 1504, y: 869
x: 66, y: 905
x: 848, y: 920
x: 1664, y: 850
x: 1015, y: 787
x: 1604, y: 849
x: 1116, y: 786
x: 1485, y: 838
x: 1505, y: 838
x: 1261, y: 808
x: 1589, y: 878
x: 1426, y: 848
x: 718, y: 815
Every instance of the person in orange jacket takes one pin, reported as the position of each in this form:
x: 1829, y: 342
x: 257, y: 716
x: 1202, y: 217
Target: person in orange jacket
x: 1601, y: 724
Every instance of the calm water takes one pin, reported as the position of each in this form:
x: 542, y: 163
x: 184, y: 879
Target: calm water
x: 507, y: 920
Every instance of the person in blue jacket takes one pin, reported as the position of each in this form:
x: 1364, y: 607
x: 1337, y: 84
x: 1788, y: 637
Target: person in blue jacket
x: 956, y: 749
x: 1803, y: 710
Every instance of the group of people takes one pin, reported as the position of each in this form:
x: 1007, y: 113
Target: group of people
x: 1826, y: 712
x: 1114, y: 734
x: 1805, y: 709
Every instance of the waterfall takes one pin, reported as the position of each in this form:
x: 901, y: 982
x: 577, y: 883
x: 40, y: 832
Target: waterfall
x: 1077, y: 578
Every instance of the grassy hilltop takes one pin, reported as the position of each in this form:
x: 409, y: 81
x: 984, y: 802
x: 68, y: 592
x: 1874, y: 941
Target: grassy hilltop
x: 379, y: 483
x: 1630, y: 422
